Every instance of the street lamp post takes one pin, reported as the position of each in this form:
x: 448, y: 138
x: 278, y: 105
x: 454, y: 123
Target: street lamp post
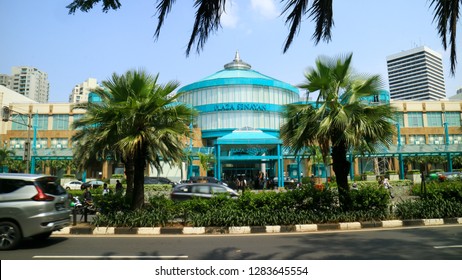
x: 448, y: 154
x: 400, y: 155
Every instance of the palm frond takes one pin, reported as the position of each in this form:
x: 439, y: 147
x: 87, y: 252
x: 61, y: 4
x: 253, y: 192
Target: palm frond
x: 446, y: 15
x: 207, y: 21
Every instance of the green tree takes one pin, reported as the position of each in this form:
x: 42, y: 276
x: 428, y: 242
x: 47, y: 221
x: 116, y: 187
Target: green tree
x: 4, y: 155
x: 16, y: 166
x: 137, y: 121
x: 340, y: 120
x: 208, y: 13
x: 206, y: 160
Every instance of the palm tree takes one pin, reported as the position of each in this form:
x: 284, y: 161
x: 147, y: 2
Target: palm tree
x: 139, y: 123
x: 340, y: 120
x: 208, y: 14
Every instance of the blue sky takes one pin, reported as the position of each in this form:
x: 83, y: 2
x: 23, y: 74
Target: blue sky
x: 72, y: 48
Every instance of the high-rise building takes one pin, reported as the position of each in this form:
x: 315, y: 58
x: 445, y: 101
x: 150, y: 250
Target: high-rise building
x: 416, y: 74
x: 5, y: 80
x: 81, y: 91
x: 30, y: 82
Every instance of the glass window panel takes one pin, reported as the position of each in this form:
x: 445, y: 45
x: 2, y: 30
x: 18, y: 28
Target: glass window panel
x: 434, y: 119
x: 60, y: 122
x: 17, y: 143
x: 453, y: 118
x: 41, y: 121
x: 417, y: 139
x: 436, y: 139
x: 59, y: 143
x: 415, y: 119
x: 19, y: 122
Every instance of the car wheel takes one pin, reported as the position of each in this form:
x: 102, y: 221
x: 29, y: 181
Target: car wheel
x: 10, y: 235
x: 68, y: 188
x: 42, y: 236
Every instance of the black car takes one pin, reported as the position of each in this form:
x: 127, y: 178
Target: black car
x: 204, y: 179
x: 200, y: 190
x: 158, y: 181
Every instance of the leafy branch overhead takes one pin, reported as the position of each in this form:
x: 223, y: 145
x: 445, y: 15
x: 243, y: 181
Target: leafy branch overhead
x: 208, y: 13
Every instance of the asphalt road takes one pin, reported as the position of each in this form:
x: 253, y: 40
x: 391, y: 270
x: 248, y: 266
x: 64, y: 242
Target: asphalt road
x: 420, y: 243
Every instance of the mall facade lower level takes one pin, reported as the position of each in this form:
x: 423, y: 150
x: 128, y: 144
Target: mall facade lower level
x: 236, y: 133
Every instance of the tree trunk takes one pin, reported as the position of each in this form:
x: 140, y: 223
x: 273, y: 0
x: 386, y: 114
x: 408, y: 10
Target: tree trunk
x: 341, y: 168
x: 129, y: 174
x: 138, y: 182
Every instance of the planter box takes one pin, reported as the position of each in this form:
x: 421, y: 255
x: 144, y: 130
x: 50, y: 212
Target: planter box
x: 369, y: 177
x: 392, y: 177
x: 415, y: 178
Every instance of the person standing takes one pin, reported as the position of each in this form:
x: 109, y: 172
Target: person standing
x: 387, y: 186
x: 106, y: 191
x: 118, y: 187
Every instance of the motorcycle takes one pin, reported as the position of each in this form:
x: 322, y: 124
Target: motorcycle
x: 82, y: 208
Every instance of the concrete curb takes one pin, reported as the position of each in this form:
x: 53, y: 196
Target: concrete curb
x: 87, y: 229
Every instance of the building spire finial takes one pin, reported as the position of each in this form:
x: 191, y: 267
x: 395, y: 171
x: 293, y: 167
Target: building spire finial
x: 237, y: 63
x: 236, y: 57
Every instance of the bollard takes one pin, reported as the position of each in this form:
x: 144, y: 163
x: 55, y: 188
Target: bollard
x: 85, y: 214
x: 74, y: 217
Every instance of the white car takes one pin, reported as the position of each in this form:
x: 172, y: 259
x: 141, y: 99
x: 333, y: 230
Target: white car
x: 73, y: 185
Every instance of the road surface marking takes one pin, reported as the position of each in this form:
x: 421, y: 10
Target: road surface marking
x: 180, y: 257
x: 449, y: 246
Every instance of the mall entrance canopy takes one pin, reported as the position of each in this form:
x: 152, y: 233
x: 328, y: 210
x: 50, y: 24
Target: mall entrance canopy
x: 249, y: 144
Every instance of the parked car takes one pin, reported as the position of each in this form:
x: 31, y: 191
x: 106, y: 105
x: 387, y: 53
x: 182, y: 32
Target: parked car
x: 73, y: 185
x: 31, y: 205
x: 92, y: 184
x: 158, y: 181
x: 200, y: 190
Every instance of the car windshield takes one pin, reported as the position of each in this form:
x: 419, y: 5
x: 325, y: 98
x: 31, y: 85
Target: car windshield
x: 50, y: 185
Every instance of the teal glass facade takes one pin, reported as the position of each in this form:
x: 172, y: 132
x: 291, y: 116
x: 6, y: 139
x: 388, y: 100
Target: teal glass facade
x: 239, y: 118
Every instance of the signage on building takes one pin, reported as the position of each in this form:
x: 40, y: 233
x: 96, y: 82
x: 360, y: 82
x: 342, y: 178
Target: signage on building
x: 240, y: 107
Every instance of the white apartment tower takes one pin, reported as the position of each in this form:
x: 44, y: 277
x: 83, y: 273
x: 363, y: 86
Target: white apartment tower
x: 30, y: 82
x: 81, y: 91
x: 416, y: 74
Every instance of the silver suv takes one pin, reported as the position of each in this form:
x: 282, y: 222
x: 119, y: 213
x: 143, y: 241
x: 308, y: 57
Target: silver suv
x: 31, y: 205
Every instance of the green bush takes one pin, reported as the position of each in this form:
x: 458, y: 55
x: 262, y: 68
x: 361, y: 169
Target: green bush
x: 448, y: 190
x: 370, y: 198
x: 110, y: 203
x: 433, y: 208
x: 304, y: 205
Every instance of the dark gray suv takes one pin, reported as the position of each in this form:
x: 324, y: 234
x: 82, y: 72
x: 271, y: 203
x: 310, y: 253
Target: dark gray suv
x: 31, y: 205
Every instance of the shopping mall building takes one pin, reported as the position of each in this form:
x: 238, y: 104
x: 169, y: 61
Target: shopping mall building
x: 237, y: 129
